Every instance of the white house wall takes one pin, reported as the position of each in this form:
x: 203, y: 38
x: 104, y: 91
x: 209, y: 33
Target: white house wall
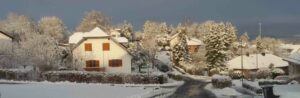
x: 97, y: 53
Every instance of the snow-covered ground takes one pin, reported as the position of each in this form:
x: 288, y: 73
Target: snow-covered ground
x: 21, y: 89
x: 224, y: 92
x: 287, y: 91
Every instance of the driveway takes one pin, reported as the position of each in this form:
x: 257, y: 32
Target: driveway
x: 192, y: 89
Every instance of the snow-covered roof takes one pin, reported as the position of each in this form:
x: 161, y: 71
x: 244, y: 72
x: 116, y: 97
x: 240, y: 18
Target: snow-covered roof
x: 121, y: 39
x: 6, y: 34
x: 249, y: 62
x: 194, y: 41
x: 293, y: 47
x: 295, y: 57
x: 77, y: 36
x: 96, y: 32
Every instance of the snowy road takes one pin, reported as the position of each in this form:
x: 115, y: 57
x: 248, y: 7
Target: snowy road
x: 192, y: 89
x: 68, y: 90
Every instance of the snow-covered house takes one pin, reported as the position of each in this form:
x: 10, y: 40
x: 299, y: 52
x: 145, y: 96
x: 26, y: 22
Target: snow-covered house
x: 5, y: 41
x: 98, y: 51
x: 118, y: 36
x: 5, y: 37
x: 289, y: 48
x: 253, y: 62
x: 294, y: 64
x: 193, y: 43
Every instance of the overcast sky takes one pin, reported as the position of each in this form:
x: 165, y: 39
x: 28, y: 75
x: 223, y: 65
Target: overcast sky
x: 280, y: 18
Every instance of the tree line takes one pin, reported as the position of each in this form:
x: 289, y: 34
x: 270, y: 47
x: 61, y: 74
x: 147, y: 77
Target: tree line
x: 37, y: 43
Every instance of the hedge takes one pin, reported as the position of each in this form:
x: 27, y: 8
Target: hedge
x: 99, y: 77
x: 219, y: 81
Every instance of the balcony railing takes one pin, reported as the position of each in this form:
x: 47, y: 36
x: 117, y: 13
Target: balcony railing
x: 102, y: 69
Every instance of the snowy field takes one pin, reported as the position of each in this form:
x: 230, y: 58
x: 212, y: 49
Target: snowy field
x: 23, y: 89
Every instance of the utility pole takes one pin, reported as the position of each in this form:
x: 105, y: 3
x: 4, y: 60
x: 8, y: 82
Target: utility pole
x: 259, y: 29
x: 242, y: 61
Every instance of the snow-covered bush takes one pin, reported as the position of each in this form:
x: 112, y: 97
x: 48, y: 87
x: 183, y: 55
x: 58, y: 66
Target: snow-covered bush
x: 236, y: 74
x: 293, y: 82
x: 219, y: 81
x: 191, y: 68
x: 17, y: 74
x: 277, y: 72
x: 214, y: 71
x: 98, y: 77
x: 253, y: 86
x: 271, y: 82
x: 225, y: 73
x: 264, y: 73
x: 174, y: 76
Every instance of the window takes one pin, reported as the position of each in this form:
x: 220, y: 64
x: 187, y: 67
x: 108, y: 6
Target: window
x: 105, y: 46
x: 92, y: 63
x: 196, y: 49
x: 115, y: 63
x: 88, y: 46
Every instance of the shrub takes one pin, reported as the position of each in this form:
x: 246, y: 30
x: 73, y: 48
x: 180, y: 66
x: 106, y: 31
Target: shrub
x: 236, y: 74
x: 17, y: 74
x: 277, y: 72
x: 219, y: 81
x: 263, y: 73
x: 175, y: 76
x: 225, y: 73
x: 253, y: 86
x: 271, y: 82
x: 214, y: 71
x: 98, y: 77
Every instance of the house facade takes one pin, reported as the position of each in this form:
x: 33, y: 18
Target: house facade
x: 98, y: 51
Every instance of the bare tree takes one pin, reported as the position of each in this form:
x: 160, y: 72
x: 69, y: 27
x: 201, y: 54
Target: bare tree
x: 94, y: 19
x: 52, y: 26
x: 39, y: 50
x: 127, y: 30
x: 18, y: 25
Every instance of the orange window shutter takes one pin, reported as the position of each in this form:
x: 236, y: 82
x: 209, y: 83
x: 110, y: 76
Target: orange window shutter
x: 105, y: 46
x: 110, y: 63
x: 97, y: 63
x: 120, y: 62
x: 87, y: 63
x: 88, y: 47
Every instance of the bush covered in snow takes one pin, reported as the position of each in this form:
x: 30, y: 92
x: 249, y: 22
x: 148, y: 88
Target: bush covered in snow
x: 253, y: 86
x: 97, y: 77
x: 235, y: 74
x: 17, y: 74
x: 214, y: 71
x: 277, y: 72
x: 219, y: 81
x: 271, y: 82
x: 264, y: 73
x: 174, y: 76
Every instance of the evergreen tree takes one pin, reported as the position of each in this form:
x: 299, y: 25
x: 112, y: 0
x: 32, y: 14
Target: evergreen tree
x: 180, y: 50
x: 218, y: 40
